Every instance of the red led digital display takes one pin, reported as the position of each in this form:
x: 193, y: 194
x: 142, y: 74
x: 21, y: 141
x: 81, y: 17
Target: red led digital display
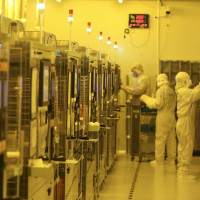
x: 138, y: 21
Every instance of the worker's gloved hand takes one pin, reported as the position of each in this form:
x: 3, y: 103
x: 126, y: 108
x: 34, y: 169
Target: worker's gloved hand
x: 198, y: 86
x: 121, y: 85
x: 143, y: 97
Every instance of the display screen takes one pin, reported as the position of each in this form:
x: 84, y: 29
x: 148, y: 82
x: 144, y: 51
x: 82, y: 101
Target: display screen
x: 34, y: 93
x: 46, y: 84
x: 138, y: 21
x: 94, y: 80
x: 76, y: 82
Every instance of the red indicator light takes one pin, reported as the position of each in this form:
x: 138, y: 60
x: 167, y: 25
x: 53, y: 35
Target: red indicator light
x: 71, y: 12
x: 101, y: 33
x: 89, y: 24
x: 140, y: 21
x: 108, y: 38
x: 140, y: 17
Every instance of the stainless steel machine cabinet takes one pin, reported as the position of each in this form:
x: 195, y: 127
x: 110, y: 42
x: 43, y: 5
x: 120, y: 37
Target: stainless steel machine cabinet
x: 4, y: 75
x: 36, y: 60
x: 89, y: 127
x: 67, y: 150
x: 102, y: 168
x: 111, y: 116
x: 116, y: 86
x: 89, y: 145
x: 128, y: 118
x: 142, y: 139
x: 11, y: 137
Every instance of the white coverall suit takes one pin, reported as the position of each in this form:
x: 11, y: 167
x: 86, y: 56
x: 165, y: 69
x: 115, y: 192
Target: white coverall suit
x: 185, y: 126
x: 141, y: 85
x: 165, y: 102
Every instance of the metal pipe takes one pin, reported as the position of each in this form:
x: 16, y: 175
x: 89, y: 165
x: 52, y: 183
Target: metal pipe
x: 70, y: 35
x: 158, y: 35
x: 41, y: 25
x: 88, y: 52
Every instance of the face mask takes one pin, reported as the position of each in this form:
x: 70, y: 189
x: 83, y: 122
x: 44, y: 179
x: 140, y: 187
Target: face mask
x: 189, y: 83
x: 161, y: 82
x: 133, y: 75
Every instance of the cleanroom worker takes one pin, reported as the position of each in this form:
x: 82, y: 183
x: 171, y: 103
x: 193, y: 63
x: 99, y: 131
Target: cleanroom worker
x: 185, y: 127
x: 165, y: 103
x: 141, y: 85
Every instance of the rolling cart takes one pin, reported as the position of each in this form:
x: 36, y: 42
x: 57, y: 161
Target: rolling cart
x: 142, y: 138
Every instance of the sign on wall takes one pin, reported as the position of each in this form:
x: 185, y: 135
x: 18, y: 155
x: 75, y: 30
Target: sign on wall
x: 138, y: 21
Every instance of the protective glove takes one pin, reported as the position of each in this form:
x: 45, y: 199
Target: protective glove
x: 144, y: 98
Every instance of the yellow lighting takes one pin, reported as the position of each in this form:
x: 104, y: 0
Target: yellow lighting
x: 10, y: 1
x: 58, y: 0
x: 23, y: 20
x: 120, y: 1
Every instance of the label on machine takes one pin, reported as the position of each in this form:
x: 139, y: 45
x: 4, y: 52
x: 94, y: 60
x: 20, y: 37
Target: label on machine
x: 3, y: 67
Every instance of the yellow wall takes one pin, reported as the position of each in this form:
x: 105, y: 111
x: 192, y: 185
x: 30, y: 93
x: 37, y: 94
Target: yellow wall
x: 179, y: 40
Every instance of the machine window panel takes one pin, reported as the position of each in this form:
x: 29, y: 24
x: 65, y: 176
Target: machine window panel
x: 76, y: 82
x: 0, y: 94
x: 34, y: 93
x: 5, y: 101
x: 33, y: 137
x: 46, y: 84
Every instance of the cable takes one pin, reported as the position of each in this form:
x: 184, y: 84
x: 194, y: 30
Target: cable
x: 136, y: 46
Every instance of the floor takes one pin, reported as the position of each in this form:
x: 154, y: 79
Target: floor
x: 153, y: 182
